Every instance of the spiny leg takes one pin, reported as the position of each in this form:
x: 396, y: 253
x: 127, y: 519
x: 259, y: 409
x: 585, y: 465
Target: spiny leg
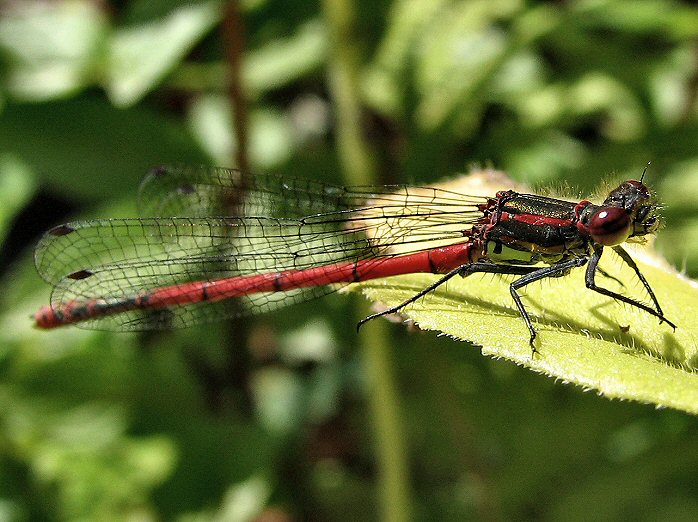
x: 631, y: 263
x: 609, y: 276
x: 464, y: 271
x: 549, y: 271
x: 591, y: 285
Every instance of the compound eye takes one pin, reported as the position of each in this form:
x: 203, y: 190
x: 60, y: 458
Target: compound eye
x: 610, y: 226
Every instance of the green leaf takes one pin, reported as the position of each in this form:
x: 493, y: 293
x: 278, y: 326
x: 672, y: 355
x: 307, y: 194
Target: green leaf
x: 581, y: 333
x: 286, y: 60
x: 87, y: 148
x: 16, y: 187
x: 140, y: 56
x: 52, y: 47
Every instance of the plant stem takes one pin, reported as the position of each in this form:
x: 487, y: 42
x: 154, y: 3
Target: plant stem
x: 358, y: 166
x: 343, y: 77
x: 234, y: 42
x: 391, y: 450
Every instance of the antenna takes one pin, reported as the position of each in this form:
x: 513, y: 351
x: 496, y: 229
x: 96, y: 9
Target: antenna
x: 645, y: 171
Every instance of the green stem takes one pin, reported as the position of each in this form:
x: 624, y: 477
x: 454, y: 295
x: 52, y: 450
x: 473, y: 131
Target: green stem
x: 391, y: 450
x: 343, y: 77
x: 358, y: 165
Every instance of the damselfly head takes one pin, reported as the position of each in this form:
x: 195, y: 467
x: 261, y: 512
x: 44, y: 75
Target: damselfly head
x: 627, y: 213
x: 635, y: 198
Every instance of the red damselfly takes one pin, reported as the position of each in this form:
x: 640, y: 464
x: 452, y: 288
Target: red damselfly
x: 237, y: 244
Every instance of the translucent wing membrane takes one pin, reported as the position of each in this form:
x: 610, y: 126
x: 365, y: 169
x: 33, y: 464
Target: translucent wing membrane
x: 208, y: 224
x: 215, y: 191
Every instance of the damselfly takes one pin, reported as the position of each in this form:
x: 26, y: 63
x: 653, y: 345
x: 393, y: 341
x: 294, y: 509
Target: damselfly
x: 237, y: 244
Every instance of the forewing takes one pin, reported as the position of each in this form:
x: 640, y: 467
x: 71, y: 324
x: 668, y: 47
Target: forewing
x: 314, y: 225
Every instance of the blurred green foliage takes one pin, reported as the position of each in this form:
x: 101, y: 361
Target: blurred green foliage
x: 192, y: 425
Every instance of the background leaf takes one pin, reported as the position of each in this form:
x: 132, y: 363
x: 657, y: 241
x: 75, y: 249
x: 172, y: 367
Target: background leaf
x: 139, y: 56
